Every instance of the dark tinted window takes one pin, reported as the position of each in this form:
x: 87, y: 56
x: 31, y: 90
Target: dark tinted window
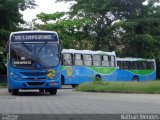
x: 151, y: 65
x: 126, y: 65
x: 144, y: 65
x: 120, y: 64
x: 136, y: 65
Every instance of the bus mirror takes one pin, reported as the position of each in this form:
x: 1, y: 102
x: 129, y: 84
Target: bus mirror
x: 60, y: 47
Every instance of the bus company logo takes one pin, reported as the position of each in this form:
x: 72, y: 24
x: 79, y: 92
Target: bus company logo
x: 51, y: 73
x: 9, y: 117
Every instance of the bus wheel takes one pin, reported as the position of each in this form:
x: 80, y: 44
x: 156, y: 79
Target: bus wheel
x: 41, y: 90
x: 53, y: 91
x: 74, y: 85
x: 62, y: 80
x: 9, y: 90
x: 98, y: 78
x: 14, y: 91
x: 135, y: 79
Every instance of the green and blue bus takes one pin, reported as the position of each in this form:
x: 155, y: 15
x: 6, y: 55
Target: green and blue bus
x: 34, y: 61
x: 136, y: 69
x: 79, y: 66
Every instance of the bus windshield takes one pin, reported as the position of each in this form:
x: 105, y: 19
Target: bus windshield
x: 34, y: 55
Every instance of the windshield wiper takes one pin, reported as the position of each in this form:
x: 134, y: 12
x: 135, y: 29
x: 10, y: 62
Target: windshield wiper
x: 37, y: 56
x: 42, y: 46
x: 26, y: 46
x: 30, y: 50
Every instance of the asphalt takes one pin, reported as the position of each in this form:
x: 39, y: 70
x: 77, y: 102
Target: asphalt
x: 68, y: 101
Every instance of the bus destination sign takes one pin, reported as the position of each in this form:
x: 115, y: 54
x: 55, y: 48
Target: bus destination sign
x: 31, y: 37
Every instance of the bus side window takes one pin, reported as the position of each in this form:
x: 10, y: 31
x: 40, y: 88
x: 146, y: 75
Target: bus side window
x: 126, y: 65
x: 67, y: 59
x: 87, y: 59
x: 120, y: 64
x: 96, y: 60
x: 112, y: 61
x: 136, y: 65
x: 144, y: 65
x: 78, y: 59
x: 105, y: 60
x: 151, y: 65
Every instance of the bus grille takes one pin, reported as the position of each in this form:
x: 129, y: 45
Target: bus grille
x: 35, y: 83
x: 42, y: 78
x: 34, y: 73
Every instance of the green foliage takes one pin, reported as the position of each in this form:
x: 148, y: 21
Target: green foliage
x: 121, y: 87
x: 129, y: 27
x: 46, y: 17
x: 10, y: 19
x: 104, y: 14
x: 71, y: 31
x: 26, y: 4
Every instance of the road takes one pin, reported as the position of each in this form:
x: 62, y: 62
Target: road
x: 68, y: 101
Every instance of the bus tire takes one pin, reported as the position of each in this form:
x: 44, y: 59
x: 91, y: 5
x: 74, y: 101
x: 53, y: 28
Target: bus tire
x: 135, y: 78
x: 98, y: 78
x: 9, y: 90
x: 14, y: 91
x: 53, y: 91
x: 74, y: 85
x: 62, y: 79
x: 41, y: 90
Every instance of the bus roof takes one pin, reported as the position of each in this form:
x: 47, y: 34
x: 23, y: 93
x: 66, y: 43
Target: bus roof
x: 133, y: 59
x: 34, y: 31
x: 32, y: 36
x: 87, y: 52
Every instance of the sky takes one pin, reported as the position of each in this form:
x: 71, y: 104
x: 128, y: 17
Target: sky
x: 46, y: 6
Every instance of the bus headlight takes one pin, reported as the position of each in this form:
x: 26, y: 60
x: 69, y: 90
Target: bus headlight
x: 16, y: 76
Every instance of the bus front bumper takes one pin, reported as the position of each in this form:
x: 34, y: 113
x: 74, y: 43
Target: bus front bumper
x: 44, y: 84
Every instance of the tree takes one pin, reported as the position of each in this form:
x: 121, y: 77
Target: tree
x: 104, y: 14
x: 71, y: 31
x: 130, y: 27
x: 142, y: 33
x: 10, y: 18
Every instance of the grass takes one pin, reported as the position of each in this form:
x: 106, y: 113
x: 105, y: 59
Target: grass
x: 151, y: 87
